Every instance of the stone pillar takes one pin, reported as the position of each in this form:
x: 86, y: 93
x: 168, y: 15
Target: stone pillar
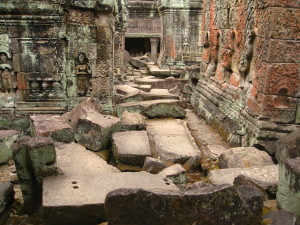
x: 35, y: 159
x: 154, y: 45
x: 288, y: 195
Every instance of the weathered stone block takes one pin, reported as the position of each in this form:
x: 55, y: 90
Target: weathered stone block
x: 244, y: 157
x: 51, y: 126
x: 154, y: 166
x: 35, y: 159
x: 132, y: 121
x: 7, y: 139
x: 279, y: 217
x: 94, y: 130
x: 267, y: 174
x: 288, y: 146
x: 175, y: 173
x: 154, y: 108
x: 69, y: 203
x: 6, y: 199
x: 131, y: 147
x: 289, y: 186
x: 211, y: 206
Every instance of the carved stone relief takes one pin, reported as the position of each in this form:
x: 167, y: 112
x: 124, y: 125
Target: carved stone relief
x: 7, y: 75
x: 83, y: 75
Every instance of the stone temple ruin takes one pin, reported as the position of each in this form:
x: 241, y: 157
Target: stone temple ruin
x: 153, y: 112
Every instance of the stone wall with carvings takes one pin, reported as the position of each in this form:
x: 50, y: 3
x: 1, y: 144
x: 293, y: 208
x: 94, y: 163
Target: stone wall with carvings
x: 55, y: 53
x: 248, y: 87
x: 180, y: 44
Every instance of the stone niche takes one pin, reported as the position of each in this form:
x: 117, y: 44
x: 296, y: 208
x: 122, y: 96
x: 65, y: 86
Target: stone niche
x: 56, y: 53
x: 248, y: 86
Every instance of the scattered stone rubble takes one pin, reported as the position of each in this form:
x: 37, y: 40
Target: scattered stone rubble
x: 169, y: 150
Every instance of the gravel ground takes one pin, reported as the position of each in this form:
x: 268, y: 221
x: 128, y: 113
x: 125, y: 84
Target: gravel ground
x: 17, y: 215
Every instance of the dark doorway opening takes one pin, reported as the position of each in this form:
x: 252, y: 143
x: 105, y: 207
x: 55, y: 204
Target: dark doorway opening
x: 137, y: 46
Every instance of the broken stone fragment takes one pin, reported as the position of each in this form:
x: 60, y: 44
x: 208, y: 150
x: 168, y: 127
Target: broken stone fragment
x: 131, y: 147
x: 35, y: 159
x: 7, y: 139
x: 244, y: 157
x: 51, y: 126
x: 175, y: 173
x: 132, y: 121
x: 94, y: 130
x: 153, y: 165
x: 289, y: 186
x: 217, y: 205
x: 196, y: 186
x: 268, y: 174
x: 148, y: 97
x: 6, y: 199
x: 126, y: 89
x: 279, y: 217
x: 90, y: 104
x: 161, y: 108
x: 268, y: 189
x: 137, y: 63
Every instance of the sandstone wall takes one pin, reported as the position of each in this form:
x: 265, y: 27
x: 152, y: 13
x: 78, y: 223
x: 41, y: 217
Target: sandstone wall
x: 55, y: 53
x: 248, y: 87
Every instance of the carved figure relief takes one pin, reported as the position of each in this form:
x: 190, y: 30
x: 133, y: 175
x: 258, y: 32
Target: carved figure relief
x: 186, y: 46
x: 7, y: 75
x: 83, y: 74
x: 246, y: 57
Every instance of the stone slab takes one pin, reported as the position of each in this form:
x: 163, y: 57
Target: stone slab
x: 148, y: 97
x: 154, y: 108
x: 80, y: 200
x: 226, y: 176
x: 73, y: 159
x: 131, y: 147
x: 125, y: 89
x: 172, y: 141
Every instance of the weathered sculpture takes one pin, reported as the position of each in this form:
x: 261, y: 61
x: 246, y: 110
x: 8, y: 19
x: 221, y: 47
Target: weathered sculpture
x: 83, y: 74
x: 7, y: 75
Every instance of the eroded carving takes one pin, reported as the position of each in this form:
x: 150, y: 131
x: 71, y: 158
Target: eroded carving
x: 83, y: 75
x: 7, y: 75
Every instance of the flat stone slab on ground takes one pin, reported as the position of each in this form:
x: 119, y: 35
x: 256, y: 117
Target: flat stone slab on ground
x: 74, y: 160
x: 52, y: 126
x: 94, y: 130
x: 160, y: 92
x: 154, y: 108
x: 267, y: 174
x: 172, y: 141
x: 78, y: 200
x: 131, y: 147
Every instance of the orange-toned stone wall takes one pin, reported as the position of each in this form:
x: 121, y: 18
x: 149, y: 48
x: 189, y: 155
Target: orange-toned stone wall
x: 248, y: 86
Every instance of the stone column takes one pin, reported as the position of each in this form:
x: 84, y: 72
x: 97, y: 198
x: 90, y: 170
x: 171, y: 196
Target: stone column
x: 154, y: 45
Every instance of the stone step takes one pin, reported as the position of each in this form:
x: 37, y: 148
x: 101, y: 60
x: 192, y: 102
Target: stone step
x: 171, y: 140
x: 260, y: 173
x: 159, y: 72
x: 161, y: 108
